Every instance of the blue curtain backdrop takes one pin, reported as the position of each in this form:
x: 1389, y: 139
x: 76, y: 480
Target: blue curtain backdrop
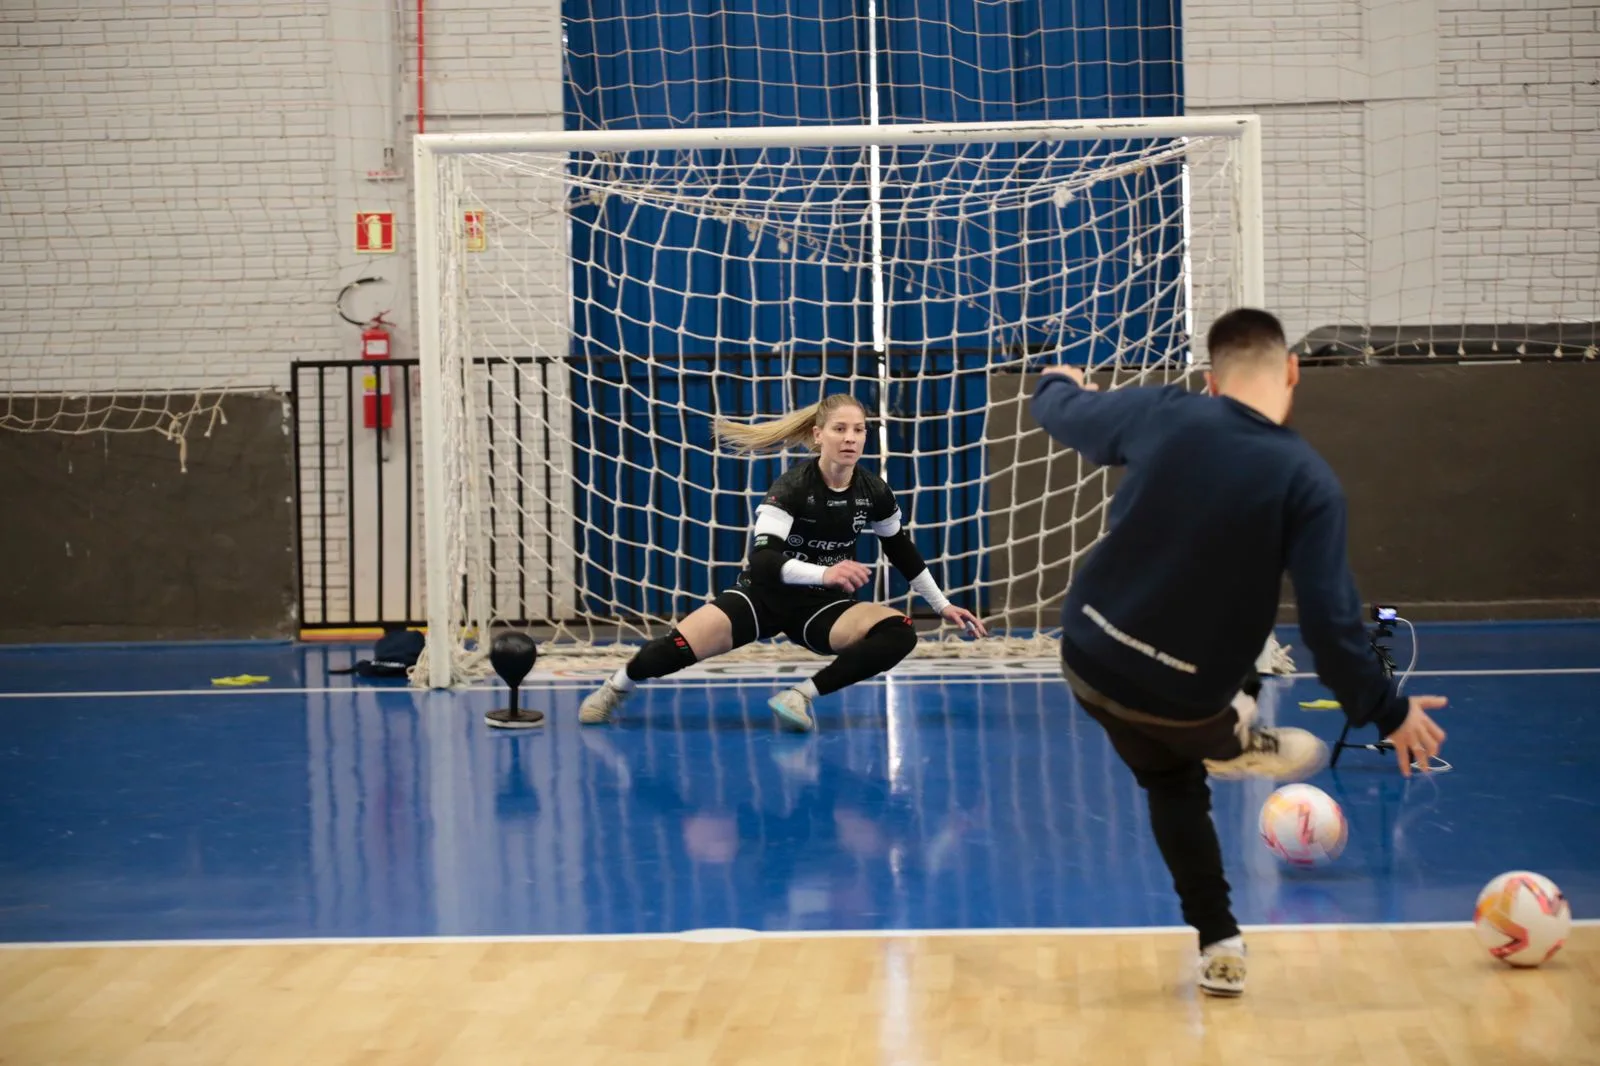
x: 671, y: 318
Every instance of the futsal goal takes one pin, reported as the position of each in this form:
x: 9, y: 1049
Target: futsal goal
x: 588, y: 303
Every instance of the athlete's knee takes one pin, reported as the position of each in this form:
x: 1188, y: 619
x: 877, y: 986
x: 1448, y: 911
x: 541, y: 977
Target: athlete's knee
x: 897, y: 636
x: 886, y: 642
x: 879, y: 649
x: 662, y: 656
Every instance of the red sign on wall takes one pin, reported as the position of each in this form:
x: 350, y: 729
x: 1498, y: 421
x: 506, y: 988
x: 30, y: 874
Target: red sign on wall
x: 374, y: 231
x: 477, y: 235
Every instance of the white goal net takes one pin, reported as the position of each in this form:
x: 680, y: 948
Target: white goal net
x: 590, y: 303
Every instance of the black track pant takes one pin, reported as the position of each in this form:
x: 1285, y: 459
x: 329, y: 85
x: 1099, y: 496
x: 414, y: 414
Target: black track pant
x: 1166, y: 756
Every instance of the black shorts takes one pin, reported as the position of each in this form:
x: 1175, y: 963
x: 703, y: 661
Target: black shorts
x: 802, y: 613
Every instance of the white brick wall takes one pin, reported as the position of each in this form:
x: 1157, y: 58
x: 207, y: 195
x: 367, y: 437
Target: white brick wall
x: 178, y: 184
x: 1425, y: 160
x: 490, y: 62
x: 1519, y: 127
x: 1316, y: 163
x: 164, y: 173
x: 1274, y: 33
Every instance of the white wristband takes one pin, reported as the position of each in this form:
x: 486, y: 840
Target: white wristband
x: 925, y: 586
x: 797, y: 573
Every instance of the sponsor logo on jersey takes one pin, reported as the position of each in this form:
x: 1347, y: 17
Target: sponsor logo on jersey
x: 826, y: 545
x: 838, y: 503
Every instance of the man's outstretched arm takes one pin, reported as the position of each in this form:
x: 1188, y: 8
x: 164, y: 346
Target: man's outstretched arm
x: 1100, y: 426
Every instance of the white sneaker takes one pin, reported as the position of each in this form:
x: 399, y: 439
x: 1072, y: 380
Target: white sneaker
x: 601, y: 704
x: 1278, y: 753
x: 1222, y: 967
x: 793, y: 709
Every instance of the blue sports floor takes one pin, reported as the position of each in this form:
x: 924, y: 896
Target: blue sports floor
x: 138, y: 801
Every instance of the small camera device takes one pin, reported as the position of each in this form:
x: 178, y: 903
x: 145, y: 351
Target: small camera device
x: 1385, y: 616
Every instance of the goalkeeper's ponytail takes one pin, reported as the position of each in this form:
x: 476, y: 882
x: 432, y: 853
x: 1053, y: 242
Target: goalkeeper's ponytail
x: 793, y: 430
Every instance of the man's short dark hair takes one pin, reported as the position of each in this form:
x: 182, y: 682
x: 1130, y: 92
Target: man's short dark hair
x: 1244, y: 334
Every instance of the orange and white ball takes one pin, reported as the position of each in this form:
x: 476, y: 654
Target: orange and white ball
x: 1522, y: 918
x: 1303, y: 825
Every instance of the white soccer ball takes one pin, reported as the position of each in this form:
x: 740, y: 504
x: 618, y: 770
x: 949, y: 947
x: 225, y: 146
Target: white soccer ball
x: 1303, y: 825
x: 1522, y: 918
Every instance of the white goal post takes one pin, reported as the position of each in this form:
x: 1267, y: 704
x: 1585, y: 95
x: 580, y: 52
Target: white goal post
x: 588, y: 301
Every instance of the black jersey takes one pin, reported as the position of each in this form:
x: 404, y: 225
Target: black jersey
x: 1172, y: 606
x: 811, y: 523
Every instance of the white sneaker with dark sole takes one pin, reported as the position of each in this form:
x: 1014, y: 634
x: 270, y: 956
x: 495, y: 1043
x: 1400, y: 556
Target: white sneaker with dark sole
x: 601, y: 704
x: 1221, y: 968
x: 1278, y: 753
x: 793, y: 709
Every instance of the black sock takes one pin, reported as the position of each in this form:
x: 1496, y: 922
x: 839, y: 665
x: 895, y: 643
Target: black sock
x: 662, y: 656
x: 884, y: 645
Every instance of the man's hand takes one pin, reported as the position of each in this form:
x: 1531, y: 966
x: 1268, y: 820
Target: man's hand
x: 1074, y: 373
x: 846, y: 576
x: 1419, y: 737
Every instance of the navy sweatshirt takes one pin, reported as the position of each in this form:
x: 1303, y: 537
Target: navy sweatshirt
x: 1169, y: 611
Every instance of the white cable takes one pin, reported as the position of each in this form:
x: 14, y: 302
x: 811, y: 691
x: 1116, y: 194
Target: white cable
x: 1401, y: 684
x: 1438, y: 765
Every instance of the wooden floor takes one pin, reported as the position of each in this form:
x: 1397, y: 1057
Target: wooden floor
x: 1369, y: 996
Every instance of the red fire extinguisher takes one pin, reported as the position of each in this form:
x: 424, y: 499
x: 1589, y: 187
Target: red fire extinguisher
x: 377, y: 405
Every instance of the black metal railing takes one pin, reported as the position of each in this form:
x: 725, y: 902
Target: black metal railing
x: 359, y: 493
x: 523, y: 467
x: 357, y: 488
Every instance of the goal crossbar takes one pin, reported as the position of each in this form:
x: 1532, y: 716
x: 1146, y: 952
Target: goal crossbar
x: 836, y: 136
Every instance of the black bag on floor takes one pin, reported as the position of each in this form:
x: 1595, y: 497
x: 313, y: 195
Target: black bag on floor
x: 396, y: 652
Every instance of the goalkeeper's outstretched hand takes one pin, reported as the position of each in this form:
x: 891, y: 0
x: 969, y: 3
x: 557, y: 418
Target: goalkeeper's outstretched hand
x: 965, y: 619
